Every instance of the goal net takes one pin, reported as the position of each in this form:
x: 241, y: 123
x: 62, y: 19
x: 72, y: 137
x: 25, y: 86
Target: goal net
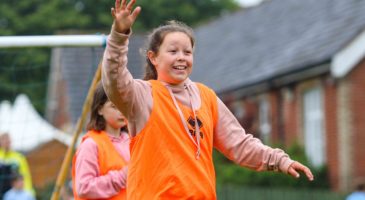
x: 44, y: 81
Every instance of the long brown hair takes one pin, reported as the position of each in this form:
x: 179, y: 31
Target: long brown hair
x: 155, y: 40
x: 97, y: 122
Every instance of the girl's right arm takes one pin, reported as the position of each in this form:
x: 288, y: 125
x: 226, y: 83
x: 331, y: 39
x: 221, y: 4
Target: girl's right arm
x: 131, y: 96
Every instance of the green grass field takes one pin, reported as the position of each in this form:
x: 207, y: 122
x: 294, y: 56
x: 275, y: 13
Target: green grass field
x: 241, y: 193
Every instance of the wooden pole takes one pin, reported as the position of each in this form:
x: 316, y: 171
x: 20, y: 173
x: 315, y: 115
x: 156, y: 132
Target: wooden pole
x: 80, y: 122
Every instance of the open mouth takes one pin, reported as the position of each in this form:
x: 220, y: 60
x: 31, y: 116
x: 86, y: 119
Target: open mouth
x: 180, y: 67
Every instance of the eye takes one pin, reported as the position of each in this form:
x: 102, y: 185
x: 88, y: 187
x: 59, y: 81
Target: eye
x: 188, y: 52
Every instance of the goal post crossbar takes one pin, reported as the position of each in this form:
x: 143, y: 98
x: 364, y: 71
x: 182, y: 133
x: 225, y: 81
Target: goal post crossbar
x: 53, y: 41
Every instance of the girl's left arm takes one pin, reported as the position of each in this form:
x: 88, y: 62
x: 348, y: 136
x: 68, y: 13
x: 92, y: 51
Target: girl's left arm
x: 244, y: 149
x: 89, y: 183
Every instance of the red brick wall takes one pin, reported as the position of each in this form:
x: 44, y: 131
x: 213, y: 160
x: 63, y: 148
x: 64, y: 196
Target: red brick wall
x: 250, y: 119
x: 291, y: 112
x: 357, y: 79
x: 274, y: 102
x: 330, y: 115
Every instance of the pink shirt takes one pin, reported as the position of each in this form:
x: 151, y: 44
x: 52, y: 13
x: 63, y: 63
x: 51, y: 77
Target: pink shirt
x: 89, y: 184
x: 134, y: 98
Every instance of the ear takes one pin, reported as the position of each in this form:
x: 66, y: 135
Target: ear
x: 152, y: 57
x: 99, y: 111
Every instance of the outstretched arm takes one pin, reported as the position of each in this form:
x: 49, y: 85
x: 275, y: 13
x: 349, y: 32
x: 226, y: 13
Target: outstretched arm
x: 231, y: 139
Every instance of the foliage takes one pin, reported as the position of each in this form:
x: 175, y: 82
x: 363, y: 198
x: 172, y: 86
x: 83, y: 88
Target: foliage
x: 192, y: 12
x: 233, y: 192
x: 229, y: 173
x: 27, y: 74
x: 46, y: 192
x: 39, y: 17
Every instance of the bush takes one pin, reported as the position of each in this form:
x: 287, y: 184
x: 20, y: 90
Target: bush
x: 230, y: 173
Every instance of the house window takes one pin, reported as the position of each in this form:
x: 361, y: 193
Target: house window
x: 238, y: 110
x: 264, y: 120
x: 314, y: 139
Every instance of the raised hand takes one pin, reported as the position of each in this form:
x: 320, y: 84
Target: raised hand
x: 123, y: 15
x: 296, y: 166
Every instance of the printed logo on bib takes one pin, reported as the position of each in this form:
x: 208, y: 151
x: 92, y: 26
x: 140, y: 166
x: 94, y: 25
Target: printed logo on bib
x: 192, y: 130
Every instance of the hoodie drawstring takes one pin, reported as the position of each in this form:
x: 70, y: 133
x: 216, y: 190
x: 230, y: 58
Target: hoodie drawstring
x: 182, y: 118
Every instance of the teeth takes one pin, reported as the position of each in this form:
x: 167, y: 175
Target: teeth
x: 180, y: 67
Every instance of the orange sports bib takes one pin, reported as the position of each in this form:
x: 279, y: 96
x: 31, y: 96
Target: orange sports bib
x: 109, y: 159
x: 163, y: 161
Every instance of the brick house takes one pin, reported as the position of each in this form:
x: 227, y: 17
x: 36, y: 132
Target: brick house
x: 294, y: 72
x: 71, y: 74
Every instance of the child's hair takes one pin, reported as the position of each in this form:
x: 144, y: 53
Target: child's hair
x: 97, y: 122
x: 17, y: 177
x: 156, y: 38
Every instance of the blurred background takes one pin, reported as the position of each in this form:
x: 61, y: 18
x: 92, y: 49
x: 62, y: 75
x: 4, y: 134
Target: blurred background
x: 292, y: 72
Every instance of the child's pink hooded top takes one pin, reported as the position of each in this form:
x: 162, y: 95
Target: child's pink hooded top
x: 88, y: 182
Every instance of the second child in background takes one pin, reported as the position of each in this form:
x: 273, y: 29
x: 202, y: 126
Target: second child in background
x: 99, y: 169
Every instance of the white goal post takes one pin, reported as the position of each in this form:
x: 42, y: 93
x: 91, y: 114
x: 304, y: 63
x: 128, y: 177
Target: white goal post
x: 53, y: 41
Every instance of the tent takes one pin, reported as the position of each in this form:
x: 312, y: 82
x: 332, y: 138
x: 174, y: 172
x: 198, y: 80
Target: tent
x: 27, y: 129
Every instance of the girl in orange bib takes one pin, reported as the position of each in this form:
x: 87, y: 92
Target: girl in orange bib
x: 175, y: 123
x: 99, y: 169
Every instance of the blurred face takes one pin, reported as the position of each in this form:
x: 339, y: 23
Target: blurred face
x: 174, y: 59
x: 113, y: 117
x: 18, y: 184
x: 5, y: 142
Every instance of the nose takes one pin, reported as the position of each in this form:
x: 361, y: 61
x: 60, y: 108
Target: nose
x: 181, y: 56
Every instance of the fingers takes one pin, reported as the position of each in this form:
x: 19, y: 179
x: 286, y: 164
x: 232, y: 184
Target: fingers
x: 293, y: 173
x: 296, y: 166
x: 117, y: 5
x: 135, y: 13
x: 309, y: 174
x: 123, y: 4
x: 112, y: 11
x: 130, y: 4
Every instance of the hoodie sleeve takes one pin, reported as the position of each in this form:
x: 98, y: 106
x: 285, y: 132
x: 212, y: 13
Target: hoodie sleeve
x: 244, y: 149
x: 89, y: 184
x: 131, y: 96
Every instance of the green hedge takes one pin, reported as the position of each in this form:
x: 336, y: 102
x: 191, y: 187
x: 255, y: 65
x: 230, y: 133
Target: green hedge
x: 232, y: 192
x: 230, y: 173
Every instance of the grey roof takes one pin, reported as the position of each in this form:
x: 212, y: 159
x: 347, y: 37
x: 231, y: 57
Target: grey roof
x: 275, y: 38
x: 79, y: 66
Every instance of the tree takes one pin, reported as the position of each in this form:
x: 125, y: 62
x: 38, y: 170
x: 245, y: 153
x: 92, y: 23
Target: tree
x: 39, y: 17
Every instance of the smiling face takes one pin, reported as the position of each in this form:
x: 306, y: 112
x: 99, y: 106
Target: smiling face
x: 174, y: 59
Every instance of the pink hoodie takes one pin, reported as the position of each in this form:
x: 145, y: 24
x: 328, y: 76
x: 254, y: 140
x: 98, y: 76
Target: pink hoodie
x: 133, y: 97
x: 89, y: 184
